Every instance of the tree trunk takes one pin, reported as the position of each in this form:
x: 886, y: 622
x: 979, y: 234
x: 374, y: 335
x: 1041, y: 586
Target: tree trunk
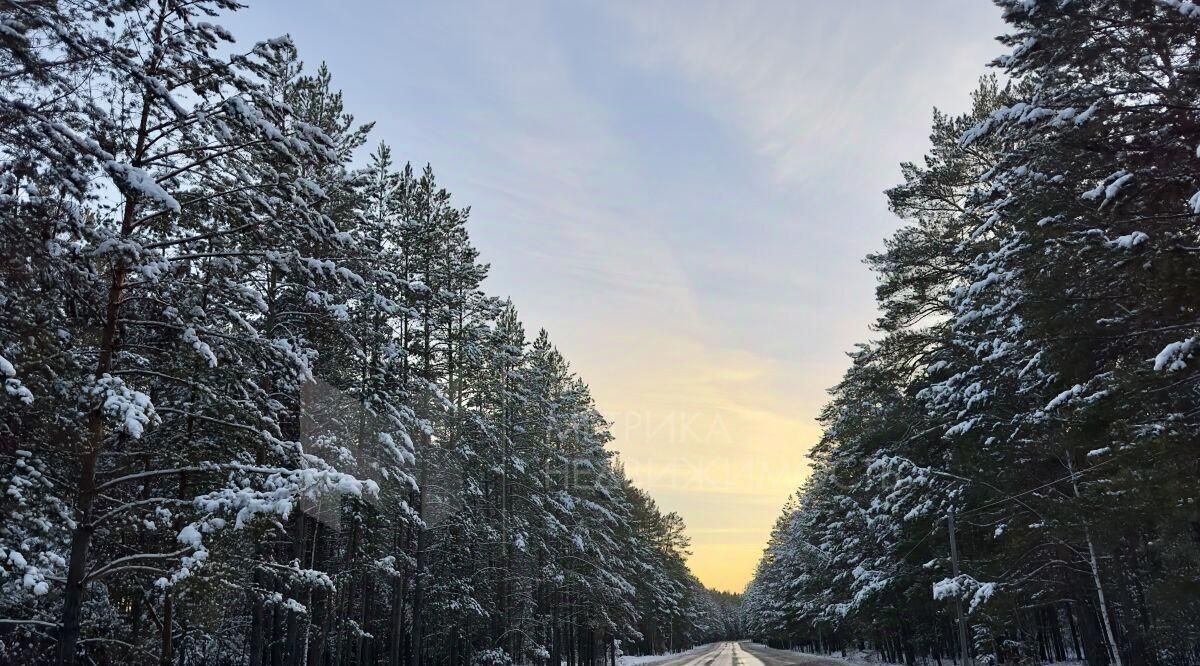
x: 1094, y: 564
x: 167, y: 648
x: 81, y: 537
x: 418, y: 621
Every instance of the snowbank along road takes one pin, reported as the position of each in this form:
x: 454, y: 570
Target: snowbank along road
x: 749, y: 654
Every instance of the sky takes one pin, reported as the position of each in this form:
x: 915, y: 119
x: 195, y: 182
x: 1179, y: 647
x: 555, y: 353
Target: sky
x: 681, y: 193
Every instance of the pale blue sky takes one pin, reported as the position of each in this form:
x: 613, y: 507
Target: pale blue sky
x: 681, y: 192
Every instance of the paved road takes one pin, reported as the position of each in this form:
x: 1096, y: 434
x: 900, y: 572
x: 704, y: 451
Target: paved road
x: 771, y: 657
x: 748, y: 654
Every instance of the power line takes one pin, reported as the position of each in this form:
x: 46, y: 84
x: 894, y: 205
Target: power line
x: 1069, y: 477
x: 928, y: 534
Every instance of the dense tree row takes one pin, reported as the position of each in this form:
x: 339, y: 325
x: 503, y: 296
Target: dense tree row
x: 1035, y: 375
x: 257, y: 407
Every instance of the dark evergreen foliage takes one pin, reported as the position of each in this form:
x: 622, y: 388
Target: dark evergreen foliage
x: 1034, y: 374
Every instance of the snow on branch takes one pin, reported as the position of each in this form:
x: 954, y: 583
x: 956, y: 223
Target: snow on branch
x: 132, y: 409
x: 1174, y: 356
x: 12, y: 385
x: 966, y: 588
x: 1186, y: 7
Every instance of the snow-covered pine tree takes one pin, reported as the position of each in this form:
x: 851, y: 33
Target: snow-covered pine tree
x: 1098, y: 193
x: 228, y: 357
x: 1035, y: 369
x: 161, y: 165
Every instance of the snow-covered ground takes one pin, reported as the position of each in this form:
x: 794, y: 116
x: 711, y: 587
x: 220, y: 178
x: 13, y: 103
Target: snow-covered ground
x: 864, y: 658
x: 856, y: 657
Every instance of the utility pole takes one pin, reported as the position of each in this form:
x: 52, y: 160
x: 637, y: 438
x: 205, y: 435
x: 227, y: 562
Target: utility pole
x: 962, y: 625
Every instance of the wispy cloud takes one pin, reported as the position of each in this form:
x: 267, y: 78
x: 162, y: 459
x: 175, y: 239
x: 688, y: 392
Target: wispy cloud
x: 817, y: 87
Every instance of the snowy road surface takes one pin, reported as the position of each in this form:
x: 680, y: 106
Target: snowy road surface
x: 748, y: 654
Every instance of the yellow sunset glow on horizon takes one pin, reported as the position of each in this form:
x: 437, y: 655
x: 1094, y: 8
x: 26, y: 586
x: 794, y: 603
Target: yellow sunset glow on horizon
x: 708, y: 436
